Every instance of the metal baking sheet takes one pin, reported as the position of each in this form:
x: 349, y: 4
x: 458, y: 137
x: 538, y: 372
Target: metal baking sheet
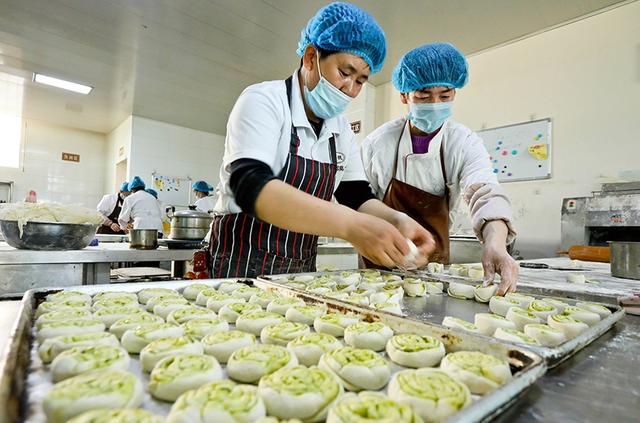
x: 434, y: 308
x: 24, y: 379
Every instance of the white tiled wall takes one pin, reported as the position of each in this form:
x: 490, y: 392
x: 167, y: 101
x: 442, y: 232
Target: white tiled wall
x: 362, y: 109
x: 43, y: 170
x: 175, y: 151
x: 118, y: 147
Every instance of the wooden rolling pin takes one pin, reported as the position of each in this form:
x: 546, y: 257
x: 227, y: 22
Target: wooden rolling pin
x: 588, y: 253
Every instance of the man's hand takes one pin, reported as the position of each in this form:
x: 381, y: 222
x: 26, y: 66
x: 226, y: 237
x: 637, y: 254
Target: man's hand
x: 419, y: 235
x: 495, y: 258
x: 115, y: 227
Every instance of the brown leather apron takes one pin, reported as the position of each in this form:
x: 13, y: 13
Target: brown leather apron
x: 429, y: 210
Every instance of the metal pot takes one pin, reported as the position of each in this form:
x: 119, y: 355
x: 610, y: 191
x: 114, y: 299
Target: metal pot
x: 48, y: 236
x: 143, y: 239
x: 625, y: 259
x: 189, y: 224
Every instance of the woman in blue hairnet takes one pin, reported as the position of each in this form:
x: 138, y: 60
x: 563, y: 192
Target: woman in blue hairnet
x: 109, y: 207
x: 288, y: 151
x: 423, y: 163
x: 205, y: 202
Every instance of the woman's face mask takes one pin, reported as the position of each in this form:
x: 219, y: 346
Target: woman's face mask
x: 428, y: 117
x: 325, y: 100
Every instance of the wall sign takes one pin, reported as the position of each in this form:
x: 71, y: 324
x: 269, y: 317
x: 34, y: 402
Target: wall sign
x: 355, y: 127
x: 70, y: 157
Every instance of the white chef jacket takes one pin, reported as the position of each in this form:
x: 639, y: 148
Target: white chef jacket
x: 205, y: 204
x: 468, y: 169
x: 143, y: 209
x: 107, y: 205
x: 259, y: 128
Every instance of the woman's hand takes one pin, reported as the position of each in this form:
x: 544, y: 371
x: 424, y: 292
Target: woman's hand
x: 377, y: 240
x: 496, y: 259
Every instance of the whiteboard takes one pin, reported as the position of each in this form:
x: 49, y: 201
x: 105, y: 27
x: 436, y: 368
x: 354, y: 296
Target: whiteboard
x: 521, y: 151
x: 172, y: 190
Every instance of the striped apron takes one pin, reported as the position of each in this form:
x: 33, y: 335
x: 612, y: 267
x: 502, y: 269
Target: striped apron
x: 244, y: 246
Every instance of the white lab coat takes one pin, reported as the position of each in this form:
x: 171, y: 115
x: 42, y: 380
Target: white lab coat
x: 205, y: 204
x: 107, y: 204
x: 143, y: 209
x: 468, y: 169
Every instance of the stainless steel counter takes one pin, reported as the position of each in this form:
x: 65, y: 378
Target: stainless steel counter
x: 21, y: 270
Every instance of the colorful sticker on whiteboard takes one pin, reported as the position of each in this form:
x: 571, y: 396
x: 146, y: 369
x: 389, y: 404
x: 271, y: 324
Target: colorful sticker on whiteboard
x: 539, y: 151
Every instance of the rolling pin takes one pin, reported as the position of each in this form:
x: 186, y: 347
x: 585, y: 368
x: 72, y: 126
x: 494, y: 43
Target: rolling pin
x: 588, y: 253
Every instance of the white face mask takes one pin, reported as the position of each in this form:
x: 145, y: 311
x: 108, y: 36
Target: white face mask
x: 325, y: 100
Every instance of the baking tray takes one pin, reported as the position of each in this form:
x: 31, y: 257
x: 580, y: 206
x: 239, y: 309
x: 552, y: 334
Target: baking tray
x: 434, y: 308
x: 21, y: 369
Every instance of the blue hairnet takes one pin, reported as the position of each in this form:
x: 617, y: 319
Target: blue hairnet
x: 345, y: 27
x: 202, y: 186
x: 152, y: 192
x: 124, y: 187
x: 431, y: 65
x: 136, y: 182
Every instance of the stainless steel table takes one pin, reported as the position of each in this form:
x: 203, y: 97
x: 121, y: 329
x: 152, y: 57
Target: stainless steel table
x: 21, y: 270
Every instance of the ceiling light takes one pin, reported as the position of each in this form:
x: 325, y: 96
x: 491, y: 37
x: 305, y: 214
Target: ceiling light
x: 61, y: 83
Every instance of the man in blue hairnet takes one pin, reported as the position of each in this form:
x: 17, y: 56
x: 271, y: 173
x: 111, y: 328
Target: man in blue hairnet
x: 204, y: 200
x: 289, y: 150
x: 140, y: 210
x: 423, y: 163
x: 109, y: 207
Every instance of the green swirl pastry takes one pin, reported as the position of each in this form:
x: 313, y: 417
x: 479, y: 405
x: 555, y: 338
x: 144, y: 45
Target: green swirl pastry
x: 557, y: 304
x: 334, y: 323
x: 483, y: 294
x: 117, y: 302
x: 222, y: 344
x: 199, y: 328
x: 216, y: 402
x: 106, y: 389
x: 386, y: 297
x: 567, y: 324
x: 435, y: 267
x: 263, y: 298
x: 107, y: 295
x: 136, y: 415
x: 229, y: 287
x: 52, y: 347
x: 109, y: 316
x: 358, y: 299
x: 283, y: 333
x: 370, y: 407
x: 414, y: 287
x: 514, y: 335
x: 231, y: 312
x: 501, y: 305
x: 49, y: 306
x: 175, y: 375
x: 578, y: 313
x: 167, y: 347
x: 305, y: 314
x: 411, y: 350
x: 309, y: 348
x: 482, y: 373
x: 434, y: 288
x: 524, y: 300
x: 340, y: 296
x: 371, y: 285
x: 249, y: 364
x: 432, y: 393
x: 134, y: 340
x: 79, y: 360
x: 602, y: 311
x: 146, y: 294
x: 172, y: 298
x: 461, y: 291
x: 388, y: 307
x: 216, y: 300
x: 246, y: 292
x: 357, y: 369
x: 487, y: 323
x: 349, y: 278
x: 69, y: 296
x: 545, y: 335
x: 305, y: 393
x: 282, y: 304
x: 541, y: 309
x: 254, y: 321
x: 183, y: 315
x: 119, y: 327
x: 373, y: 336
x: 456, y: 323
x: 68, y: 327
x: 62, y: 315
x: 191, y: 292
x: 521, y: 317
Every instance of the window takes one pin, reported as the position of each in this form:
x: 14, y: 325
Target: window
x: 11, y: 92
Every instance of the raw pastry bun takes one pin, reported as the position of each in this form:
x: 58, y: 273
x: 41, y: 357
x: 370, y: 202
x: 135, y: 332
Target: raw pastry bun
x: 373, y: 336
x: 411, y: 350
x: 487, y: 323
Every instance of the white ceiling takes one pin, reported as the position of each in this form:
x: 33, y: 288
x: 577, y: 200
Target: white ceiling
x: 186, y: 61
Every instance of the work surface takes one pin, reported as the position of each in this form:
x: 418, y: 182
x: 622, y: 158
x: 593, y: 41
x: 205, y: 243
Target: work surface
x: 600, y: 383
x: 110, y: 252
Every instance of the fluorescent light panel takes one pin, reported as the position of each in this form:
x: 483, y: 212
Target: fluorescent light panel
x: 61, y: 83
